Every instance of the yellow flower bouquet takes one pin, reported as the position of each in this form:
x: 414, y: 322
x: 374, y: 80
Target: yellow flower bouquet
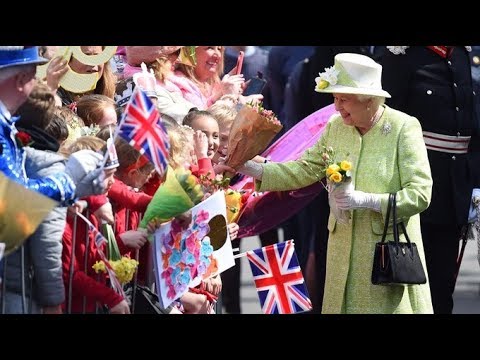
x: 124, y: 268
x: 338, y: 173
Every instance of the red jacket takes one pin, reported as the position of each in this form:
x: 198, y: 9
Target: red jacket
x: 204, y: 167
x: 128, y: 206
x: 151, y: 186
x: 85, y: 281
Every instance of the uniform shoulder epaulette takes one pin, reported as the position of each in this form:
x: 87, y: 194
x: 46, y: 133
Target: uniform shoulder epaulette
x: 397, y: 50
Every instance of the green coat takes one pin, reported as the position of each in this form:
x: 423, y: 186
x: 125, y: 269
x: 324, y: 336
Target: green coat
x: 383, y: 162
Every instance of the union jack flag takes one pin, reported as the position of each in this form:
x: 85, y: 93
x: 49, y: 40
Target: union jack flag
x: 99, y: 241
x: 278, y: 279
x: 142, y: 127
x: 97, y: 235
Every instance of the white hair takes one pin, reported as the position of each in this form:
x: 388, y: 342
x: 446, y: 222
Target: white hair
x: 12, y: 47
x: 11, y: 71
x: 377, y: 100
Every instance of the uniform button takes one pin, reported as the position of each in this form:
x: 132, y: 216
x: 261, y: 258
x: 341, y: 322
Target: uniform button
x: 429, y: 92
x: 457, y: 108
x: 458, y: 133
x: 455, y: 84
x: 453, y: 157
x: 474, y: 93
x: 449, y: 62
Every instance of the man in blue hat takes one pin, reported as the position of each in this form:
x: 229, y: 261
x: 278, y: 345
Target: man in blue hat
x: 17, y: 79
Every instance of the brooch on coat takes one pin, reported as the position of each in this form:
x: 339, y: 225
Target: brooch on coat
x: 386, y: 128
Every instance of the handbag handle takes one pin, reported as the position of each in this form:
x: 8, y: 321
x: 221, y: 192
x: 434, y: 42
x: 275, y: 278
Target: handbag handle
x: 396, y: 236
x: 391, y: 202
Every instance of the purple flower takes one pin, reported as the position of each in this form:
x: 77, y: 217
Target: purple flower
x: 180, y: 288
x: 202, y: 269
x: 188, y: 258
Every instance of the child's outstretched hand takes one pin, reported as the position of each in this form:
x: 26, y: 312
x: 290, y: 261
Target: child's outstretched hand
x: 134, y: 238
x: 213, y: 285
x: 233, y: 230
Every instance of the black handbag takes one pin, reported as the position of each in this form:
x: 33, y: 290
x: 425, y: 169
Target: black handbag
x: 395, y: 262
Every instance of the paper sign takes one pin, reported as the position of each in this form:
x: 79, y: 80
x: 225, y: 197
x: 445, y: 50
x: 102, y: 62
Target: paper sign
x: 194, y: 248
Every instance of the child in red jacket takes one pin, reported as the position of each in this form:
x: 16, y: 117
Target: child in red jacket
x: 85, y: 289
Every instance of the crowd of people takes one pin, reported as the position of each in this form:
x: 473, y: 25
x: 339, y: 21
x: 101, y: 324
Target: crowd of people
x: 406, y: 118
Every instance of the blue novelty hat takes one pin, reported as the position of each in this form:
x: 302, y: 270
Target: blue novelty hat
x: 26, y: 56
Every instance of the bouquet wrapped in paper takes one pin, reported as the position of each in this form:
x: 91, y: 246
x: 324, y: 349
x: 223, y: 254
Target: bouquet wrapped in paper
x: 252, y: 131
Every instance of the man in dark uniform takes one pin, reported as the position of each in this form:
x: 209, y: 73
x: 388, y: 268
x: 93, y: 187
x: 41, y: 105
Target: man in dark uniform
x: 434, y: 84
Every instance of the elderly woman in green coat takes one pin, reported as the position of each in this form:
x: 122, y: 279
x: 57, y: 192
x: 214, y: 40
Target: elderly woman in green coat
x: 388, y: 155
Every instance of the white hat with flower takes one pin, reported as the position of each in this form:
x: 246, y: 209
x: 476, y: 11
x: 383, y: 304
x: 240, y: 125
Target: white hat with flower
x: 352, y: 74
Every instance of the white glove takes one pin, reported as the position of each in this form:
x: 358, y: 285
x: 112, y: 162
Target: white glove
x: 472, y: 213
x: 347, y: 198
x: 84, y: 168
x: 253, y: 169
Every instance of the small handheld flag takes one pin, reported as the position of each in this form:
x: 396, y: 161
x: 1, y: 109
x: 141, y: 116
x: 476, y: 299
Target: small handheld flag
x: 142, y: 127
x: 278, y: 279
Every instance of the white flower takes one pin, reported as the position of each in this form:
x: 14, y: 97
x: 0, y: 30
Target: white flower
x: 327, y: 78
x: 397, y: 50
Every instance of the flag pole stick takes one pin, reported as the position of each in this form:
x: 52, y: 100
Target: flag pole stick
x: 245, y: 253
x: 240, y: 255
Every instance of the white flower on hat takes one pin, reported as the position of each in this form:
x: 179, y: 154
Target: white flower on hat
x: 327, y: 78
x: 397, y: 50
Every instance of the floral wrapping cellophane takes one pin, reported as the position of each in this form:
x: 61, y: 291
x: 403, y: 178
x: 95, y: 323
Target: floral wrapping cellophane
x: 250, y: 134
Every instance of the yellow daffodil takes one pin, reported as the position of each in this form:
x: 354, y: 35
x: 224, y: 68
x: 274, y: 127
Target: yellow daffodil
x: 336, y: 177
x: 346, y: 165
x: 99, y: 266
x: 333, y: 168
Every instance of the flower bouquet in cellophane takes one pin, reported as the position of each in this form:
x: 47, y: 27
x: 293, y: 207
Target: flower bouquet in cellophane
x: 180, y: 192
x: 338, y: 174
x: 252, y: 131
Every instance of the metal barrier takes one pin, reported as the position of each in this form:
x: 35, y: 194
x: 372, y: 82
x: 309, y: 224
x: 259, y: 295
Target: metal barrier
x: 149, y: 281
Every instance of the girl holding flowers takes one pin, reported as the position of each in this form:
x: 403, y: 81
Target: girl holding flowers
x: 78, y: 260
x: 128, y: 203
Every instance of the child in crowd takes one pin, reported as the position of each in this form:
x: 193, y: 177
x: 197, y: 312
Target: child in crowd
x: 97, y: 109
x: 85, y: 288
x: 205, y: 140
x: 128, y: 202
